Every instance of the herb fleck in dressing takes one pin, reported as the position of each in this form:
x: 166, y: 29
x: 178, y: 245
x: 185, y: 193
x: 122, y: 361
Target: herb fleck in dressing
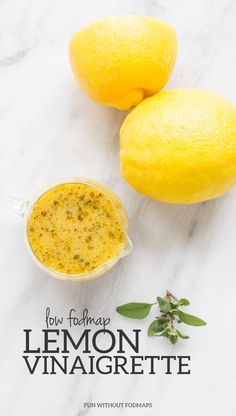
x: 73, y: 228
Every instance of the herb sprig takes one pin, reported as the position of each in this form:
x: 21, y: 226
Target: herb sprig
x: 170, y: 314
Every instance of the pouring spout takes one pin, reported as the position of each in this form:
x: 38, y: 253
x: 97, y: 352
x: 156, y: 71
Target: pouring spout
x: 127, y: 248
x: 14, y: 205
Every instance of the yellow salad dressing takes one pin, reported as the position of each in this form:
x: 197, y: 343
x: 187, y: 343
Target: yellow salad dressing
x: 73, y: 228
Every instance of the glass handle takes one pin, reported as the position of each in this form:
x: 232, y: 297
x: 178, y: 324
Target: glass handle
x: 17, y: 206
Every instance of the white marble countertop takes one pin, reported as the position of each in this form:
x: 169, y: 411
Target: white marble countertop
x: 50, y: 129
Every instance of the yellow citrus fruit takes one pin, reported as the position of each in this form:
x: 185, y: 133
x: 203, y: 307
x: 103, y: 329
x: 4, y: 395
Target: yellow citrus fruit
x: 120, y: 60
x: 179, y: 146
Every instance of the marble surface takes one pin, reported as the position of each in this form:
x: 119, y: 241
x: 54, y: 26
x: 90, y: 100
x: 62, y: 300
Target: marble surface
x: 49, y: 129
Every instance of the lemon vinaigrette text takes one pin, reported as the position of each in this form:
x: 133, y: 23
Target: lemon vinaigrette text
x: 56, y: 354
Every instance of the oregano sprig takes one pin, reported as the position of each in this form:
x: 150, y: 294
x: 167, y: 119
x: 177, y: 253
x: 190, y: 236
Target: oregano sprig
x: 170, y: 314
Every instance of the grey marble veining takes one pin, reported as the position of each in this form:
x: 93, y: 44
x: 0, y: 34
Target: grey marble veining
x: 50, y: 129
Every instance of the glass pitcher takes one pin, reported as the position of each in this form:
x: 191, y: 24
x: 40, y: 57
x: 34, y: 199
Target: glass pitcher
x: 24, y: 209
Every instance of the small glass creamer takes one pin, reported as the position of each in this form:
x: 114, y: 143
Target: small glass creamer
x: 75, y: 229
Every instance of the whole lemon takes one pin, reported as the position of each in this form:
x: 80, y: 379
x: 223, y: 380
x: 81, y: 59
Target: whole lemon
x: 120, y: 60
x: 179, y: 146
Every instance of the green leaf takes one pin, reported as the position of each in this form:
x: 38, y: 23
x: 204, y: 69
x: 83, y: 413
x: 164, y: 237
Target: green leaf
x: 135, y: 310
x: 163, y: 319
x: 172, y: 332
x: 184, y: 302
x: 181, y: 335
x: 190, y: 319
x: 157, y: 328
x: 173, y: 338
x: 164, y: 305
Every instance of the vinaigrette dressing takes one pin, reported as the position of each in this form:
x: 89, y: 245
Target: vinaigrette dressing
x: 73, y: 228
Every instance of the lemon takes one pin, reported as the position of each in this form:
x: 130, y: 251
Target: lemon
x: 179, y: 146
x: 120, y: 60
